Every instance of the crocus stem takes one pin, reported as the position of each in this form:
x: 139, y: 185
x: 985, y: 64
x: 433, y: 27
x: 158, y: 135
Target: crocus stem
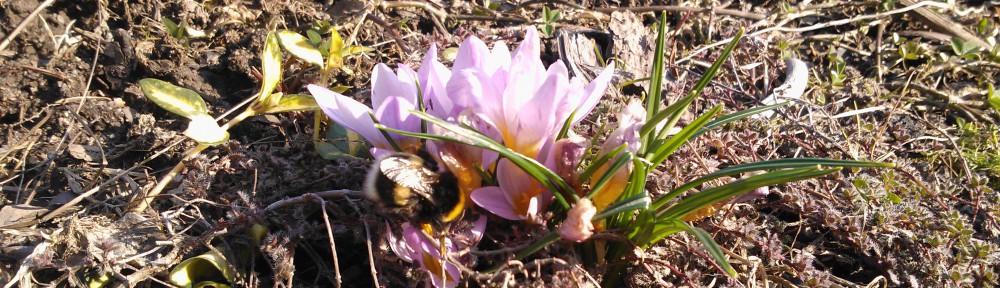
x: 140, y: 204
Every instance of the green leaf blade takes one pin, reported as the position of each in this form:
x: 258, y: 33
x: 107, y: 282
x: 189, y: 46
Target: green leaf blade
x: 293, y: 102
x: 270, y: 69
x: 300, y: 47
x: 178, y: 100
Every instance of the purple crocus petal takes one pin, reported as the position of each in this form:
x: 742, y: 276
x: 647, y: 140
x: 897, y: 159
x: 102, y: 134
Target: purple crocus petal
x: 478, y: 229
x: 386, y: 84
x: 434, y: 78
x: 398, y: 244
x: 430, y: 253
x: 378, y: 153
x: 395, y: 113
x: 536, y: 118
x: 529, y: 47
x: 408, y: 82
x: 495, y: 200
x: 570, y: 102
x: 499, y: 65
x: 470, y: 88
x: 471, y: 53
x: 593, y: 92
x: 525, y: 75
x: 349, y: 113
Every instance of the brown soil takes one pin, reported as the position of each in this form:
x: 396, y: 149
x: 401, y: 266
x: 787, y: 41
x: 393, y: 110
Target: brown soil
x: 75, y: 126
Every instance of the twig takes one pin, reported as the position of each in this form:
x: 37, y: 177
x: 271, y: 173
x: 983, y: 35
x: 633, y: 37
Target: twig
x: 811, y: 27
x: 942, y: 24
x: 442, y: 14
x: 720, y: 11
x: 562, y: 2
x: 306, y: 197
x: 368, y: 242
x: 333, y: 244
x: 24, y: 23
x: 392, y: 32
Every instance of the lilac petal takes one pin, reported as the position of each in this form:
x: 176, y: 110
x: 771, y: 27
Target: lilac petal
x: 499, y: 65
x: 525, y: 75
x: 536, y: 118
x: 512, y: 179
x: 433, y: 77
x: 349, y: 113
x: 398, y: 245
x: 471, y: 53
x: 381, y: 152
x: 430, y: 249
x: 478, y: 229
x: 387, y: 84
x: 529, y: 47
x: 395, y: 113
x: 593, y: 93
x: 526, y: 71
x: 470, y: 88
x: 495, y: 200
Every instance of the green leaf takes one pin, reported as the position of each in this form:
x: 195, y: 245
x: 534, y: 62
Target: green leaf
x: 656, y: 80
x: 335, y: 56
x: 205, y: 267
x: 550, y: 15
x: 624, y: 205
x: 293, y: 102
x: 962, y: 48
x: 892, y: 197
x: 660, y: 230
x: 672, y: 112
x: 172, y: 29
x: 314, y: 38
x: 597, y: 163
x: 538, y: 245
x: 341, y: 143
x: 668, y: 147
x: 992, y: 96
x: 766, y: 165
x: 271, y: 69
x: 355, y: 50
x: 710, y: 245
x: 181, y: 101
x: 299, y: 46
x: 729, y: 118
x: 724, y: 192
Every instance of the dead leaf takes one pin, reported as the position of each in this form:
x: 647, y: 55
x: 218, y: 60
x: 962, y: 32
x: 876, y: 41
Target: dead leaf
x: 20, y: 213
x: 85, y: 152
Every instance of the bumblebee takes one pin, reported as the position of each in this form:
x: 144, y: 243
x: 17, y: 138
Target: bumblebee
x: 414, y: 187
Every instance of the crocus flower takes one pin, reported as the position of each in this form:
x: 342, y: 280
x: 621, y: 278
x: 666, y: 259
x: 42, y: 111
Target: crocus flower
x: 630, y: 121
x: 415, y: 246
x: 527, y: 104
x: 393, y: 96
x: 577, y: 226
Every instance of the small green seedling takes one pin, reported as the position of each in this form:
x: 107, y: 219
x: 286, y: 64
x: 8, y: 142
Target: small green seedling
x: 549, y: 17
x: 965, y: 50
x: 182, y: 31
x: 837, y: 66
x: 993, y: 97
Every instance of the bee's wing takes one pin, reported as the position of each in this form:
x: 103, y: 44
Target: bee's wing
x: 409, y: 172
